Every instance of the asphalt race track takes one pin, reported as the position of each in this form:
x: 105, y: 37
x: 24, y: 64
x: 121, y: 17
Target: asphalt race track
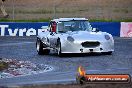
x: 65, y: 68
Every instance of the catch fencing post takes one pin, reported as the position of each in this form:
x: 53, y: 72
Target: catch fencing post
x: 13, y: 10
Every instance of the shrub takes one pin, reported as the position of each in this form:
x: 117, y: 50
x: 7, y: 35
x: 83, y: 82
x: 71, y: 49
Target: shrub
x: 3, y: 65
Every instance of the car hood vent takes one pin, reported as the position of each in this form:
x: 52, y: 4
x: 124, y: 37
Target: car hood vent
x: 89, y: 44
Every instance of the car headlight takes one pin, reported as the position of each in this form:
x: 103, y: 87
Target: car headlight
x: 71, y: 39
x: 107, y: 37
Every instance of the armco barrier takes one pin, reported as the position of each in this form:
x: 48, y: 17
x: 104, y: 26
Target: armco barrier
x: 29, y: 29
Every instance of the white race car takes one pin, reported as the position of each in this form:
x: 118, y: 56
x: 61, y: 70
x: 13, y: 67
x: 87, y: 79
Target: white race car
x: 73, y: 35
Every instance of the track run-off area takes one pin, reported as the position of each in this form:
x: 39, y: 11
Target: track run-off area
x: 64, y: 68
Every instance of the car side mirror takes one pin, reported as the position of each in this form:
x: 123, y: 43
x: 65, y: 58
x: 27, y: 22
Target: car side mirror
x: 95, y: 30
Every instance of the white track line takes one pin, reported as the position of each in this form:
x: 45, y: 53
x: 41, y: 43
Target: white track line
x: 20, y: 43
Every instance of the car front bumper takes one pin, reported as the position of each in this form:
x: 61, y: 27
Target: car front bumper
x: 76, y: 47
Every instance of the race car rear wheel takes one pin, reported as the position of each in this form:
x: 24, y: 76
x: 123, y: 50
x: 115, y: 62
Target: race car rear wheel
x: 107, y: 53
x: 39, y: 46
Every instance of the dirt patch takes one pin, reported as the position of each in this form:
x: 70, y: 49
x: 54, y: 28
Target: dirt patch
x: 14, y: 68
x: 92, y: 9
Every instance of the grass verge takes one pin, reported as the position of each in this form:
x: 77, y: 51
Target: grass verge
x: 31, y: 20
x: 48, y: 19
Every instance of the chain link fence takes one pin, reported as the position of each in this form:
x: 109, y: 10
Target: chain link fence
x: 48, y: 9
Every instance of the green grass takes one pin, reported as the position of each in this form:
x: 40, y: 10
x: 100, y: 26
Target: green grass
x: 32, y: 20
x: 48, y: 19
x: 110, y: 20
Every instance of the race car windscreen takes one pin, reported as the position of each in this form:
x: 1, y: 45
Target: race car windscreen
x: 79, y: 25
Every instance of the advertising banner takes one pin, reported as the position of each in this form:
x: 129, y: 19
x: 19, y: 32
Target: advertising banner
x: 126, y: 29
x: 110, y: 27
x: 22, y: 28
x: 34, y: 28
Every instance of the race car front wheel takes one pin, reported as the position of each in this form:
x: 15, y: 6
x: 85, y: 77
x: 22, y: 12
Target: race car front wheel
x: 39, y: 46
x: 59, y: 49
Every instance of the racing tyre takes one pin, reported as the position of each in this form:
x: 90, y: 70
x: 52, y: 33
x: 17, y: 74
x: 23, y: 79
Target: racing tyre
x: 39, y: 46
x: 59, y: 49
